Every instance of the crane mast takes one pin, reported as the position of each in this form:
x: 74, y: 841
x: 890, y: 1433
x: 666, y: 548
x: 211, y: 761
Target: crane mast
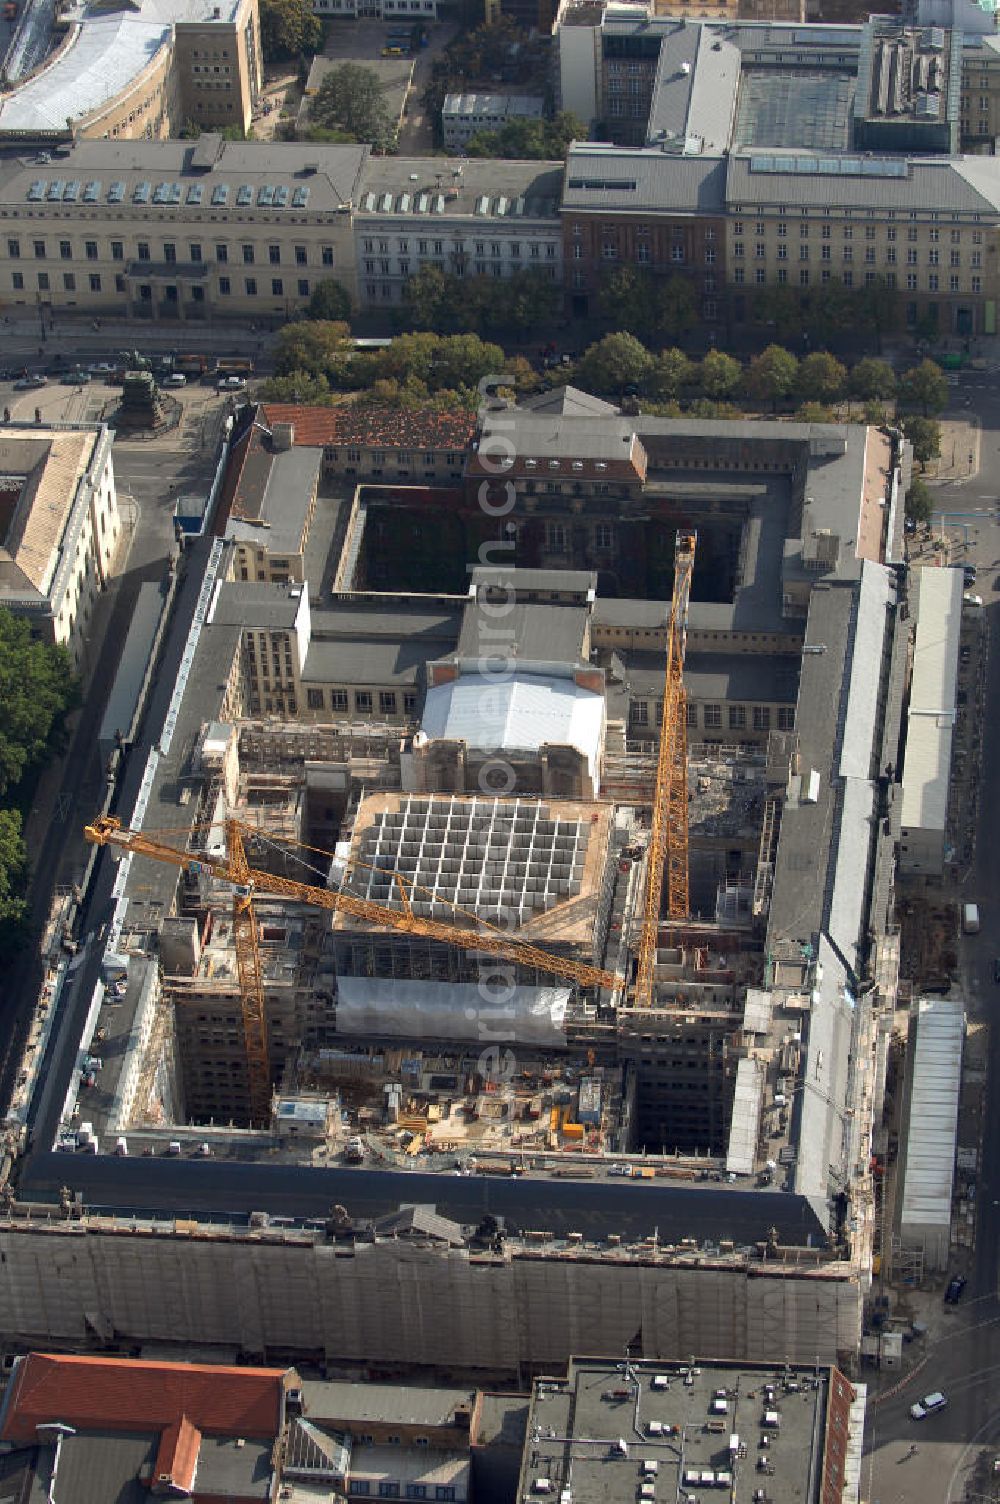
x: 667, y: 857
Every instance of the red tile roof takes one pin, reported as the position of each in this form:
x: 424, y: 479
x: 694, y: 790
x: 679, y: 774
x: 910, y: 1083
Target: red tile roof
x: 375, y: 425
x: 130, y: 1395
x: 177, y: 1457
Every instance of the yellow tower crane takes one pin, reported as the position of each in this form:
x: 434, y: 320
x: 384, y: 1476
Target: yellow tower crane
x: 468, y: 931
x: 668, y: 840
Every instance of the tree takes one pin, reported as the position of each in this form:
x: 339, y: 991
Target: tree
x: 13, y: 872
x: 624, y: 299
x: 780, y: 307
x: 813, y: 412
x: 821, y: 377
x: 521, y: 304
x: 872, y: 380
x: 830, y: 310
x: 718, y: 374
x: 674, y: 308
x: 614, y: 363
x: 925, y: 436
x: 297, y: 386
x: 350, y: 99
x: 451, y: 362
x: 462, y: 360
x: 37, y: 689
x: 288, y: 29
x: 312, y: 346
x: 918, y: 504
x: 428, y: 296
x: 673, y: 371
x: 772, y: 375
x: 330, y: 302
x: 924, y: 386
x: 878, y: 308
x: 529, y: 140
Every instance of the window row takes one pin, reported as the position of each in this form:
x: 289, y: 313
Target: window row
x: 193, y: 251
x: 645, y: 713
x: 390, y: 1489
x: 912, y: 282
x: 338, y: 701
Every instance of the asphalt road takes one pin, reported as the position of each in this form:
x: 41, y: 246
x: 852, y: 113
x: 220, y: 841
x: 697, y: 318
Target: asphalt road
x: 149, y: 476
x: 963, y: 1345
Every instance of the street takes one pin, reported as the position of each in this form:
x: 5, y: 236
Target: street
x: 150, y: 474
x: 962, y: 1349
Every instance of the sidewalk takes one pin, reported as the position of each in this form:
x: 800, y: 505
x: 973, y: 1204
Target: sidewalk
x: 961, y: 441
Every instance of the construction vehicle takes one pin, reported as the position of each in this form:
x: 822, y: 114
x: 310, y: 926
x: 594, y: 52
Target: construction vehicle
x: 667, y: 854
x: 234, y: 365
x: 192, y: 366
x: 468, y: 931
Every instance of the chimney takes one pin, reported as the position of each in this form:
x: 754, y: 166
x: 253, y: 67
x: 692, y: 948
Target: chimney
x: 283, y: 435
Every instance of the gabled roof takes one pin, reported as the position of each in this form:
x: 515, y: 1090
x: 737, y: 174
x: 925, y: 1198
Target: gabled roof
x: 379, y: 424
x: 569, y: 401
x: 131, y: 1395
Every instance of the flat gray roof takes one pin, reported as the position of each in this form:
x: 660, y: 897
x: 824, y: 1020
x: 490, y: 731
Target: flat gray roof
x: 602, y: 178
x: 338, y: 1402
x: 535, y: 633
x: 255, y: 603
x: 576, y: 1424
x: 434, y: 188
x: 364, y: 643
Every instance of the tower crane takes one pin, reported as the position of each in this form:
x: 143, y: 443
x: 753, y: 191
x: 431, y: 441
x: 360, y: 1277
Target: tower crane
x: 668, y: 841
x: 467, y: 931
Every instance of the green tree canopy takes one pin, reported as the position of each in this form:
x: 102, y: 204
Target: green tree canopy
x: 429, y: 296
x: 718, y: 374
x: 614, y: 363
x: 297, y: 386
x: 13, y: 873
x: 821, y: 377
x: 673, y: 371
x: 350, y: 99
x: 313, y: 346
x: 440, y: 361
x: 781, y: 308
x: 330, y: 302
x: 924, y: 386
x: 925, y: 436
x: 772, y: 374
x: 878, y: 307
x: 872, y: 380
x: 37, y: 689
x: 650, y: 307
x: 529, y: 140
x: 288, y: 30
x: 919, y: 505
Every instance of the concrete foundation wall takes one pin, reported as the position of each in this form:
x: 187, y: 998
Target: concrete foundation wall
x: 396, y: 1302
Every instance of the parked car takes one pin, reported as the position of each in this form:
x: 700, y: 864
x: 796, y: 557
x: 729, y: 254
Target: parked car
x: 176, y: 378
x: 232, y: 384
x: 969, y: 574
x: 29, y: 383
x: 953, y: 1294
x: 76, y: 377
x: 928, y: 1405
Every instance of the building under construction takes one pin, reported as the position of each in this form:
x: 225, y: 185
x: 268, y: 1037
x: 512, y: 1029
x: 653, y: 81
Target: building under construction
x: 481, y: 935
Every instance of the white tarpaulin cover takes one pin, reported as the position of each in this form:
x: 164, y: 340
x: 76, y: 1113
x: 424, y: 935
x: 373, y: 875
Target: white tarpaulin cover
x: 451, y: 1010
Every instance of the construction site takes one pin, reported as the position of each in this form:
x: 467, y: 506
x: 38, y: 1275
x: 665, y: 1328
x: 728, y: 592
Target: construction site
x: 594, y: 960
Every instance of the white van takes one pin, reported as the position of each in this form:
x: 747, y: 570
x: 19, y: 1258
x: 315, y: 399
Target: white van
x: 970, y: 918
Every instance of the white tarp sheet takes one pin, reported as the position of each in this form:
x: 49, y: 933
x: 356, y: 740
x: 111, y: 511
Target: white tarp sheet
x: 457, y: 1010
